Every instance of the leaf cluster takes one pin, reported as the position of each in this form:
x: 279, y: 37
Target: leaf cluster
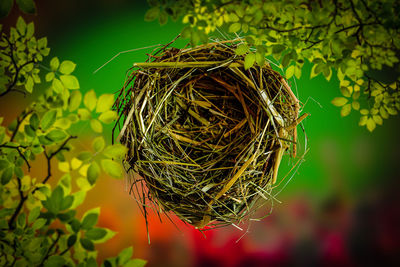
x: 38, y: 222
x: 359, y: 39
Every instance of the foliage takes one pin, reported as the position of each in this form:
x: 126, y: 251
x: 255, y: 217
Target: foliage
x: 38, y: 222
x: 358, y: 38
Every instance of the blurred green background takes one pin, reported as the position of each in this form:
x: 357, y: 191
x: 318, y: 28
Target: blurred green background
x: 341, y: 207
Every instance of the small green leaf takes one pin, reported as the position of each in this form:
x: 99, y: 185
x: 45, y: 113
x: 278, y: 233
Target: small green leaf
x: 54, y: 261
x: 18, y: 172
x: 98, y: 144
x: 74, y: 100
x: 75, y: 225
x: 371, y: 124
x: 29, y: 131
x: 67, y: 202
x: 125, y: 255
x: 21, y: 220
x: 87, y: 244
x: 21, y: 26
x: 112, y: 168
x: 71, y: 240
x: 70, y: 81
x: 3, y: 164
x: 27, y: 6
x: 339, y: 101
x: 116, y: 151
x: 48, y: 119
x: 56, y: 135
x: 108, y: 116
x: 104, y: 103
x: 93, y: 172
x: 34, y: 121
x: 89, y: 221
x: 39, y: 223
x: 135, y: 263
x: 67, y: 67
x: 90, y: 100
x: 33, y: 214
x: 249, y: 61
x: 95, y: 233
x: 85, y: 155
x: 163, y: 17
x: 57, y: 86
x: 84, y: 114
x: 96, y: 126
x: 54, y: 63
x: 7, y: 175
x: 242, y: 49
x: 152, y: 14
x: 345, y: 111
x: 49, y: 76
x: 290, y: 72
x: 235, y: 27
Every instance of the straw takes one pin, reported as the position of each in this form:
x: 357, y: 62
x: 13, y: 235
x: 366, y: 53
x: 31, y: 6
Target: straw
x: 205, y: 135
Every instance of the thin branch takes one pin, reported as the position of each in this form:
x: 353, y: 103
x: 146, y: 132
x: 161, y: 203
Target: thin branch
x: 19, y: 207
x: 19, y: 121
x: 19, y: 152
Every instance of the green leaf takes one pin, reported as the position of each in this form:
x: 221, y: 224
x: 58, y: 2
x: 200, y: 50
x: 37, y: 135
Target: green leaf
x: 371, y: 124
x: 85, y: 155
x: 67, y: 67
x: 112, y: 168
x: 39, y: 223
x: 70, y: 81
x: 135, y: 263
x: 33, y: 214
x: 249, y: 61
x: 21, y: 220
x: 84, y: 114
x: 89, y: 220
x: 56, y: 135
x: 54, y: 63
x: 57, y: 86
x: 163, y: 17
x: 34, y: 121
x: 87, y: 244
x: 71, y: 240
x: 48, y: 119
x: 75, y: 225
x: 29, y: 131
x: 339, y: 101
x: 152, y: 14
x: 116, y: 151
x: 5, y: 7
x: 90, y: 100
x: 7, y: 175
x: 108, y: 116
x: 125, y: 255
x: 29, y: 85
x: 74, y: 100
x: 290, y: 72
x: 96, y: 126
x: 345, y: 111
x: 242, y: 49
x: 4, y: 164
x: 67, y: 202
x: 21, y: 26
x: 260, y: 59
x: 93, y: 172
x: 235, y: 27
x: 49, y: 76
x: 18, y: 172
x: 104, y: 103
x: 98, y: 144
x: 79, y: 197
x: 54, y: 261
x: 27, y: 6
x: 95, y: 233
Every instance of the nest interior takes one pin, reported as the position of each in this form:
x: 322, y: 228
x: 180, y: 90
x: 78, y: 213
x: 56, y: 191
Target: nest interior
x: 204, y: 134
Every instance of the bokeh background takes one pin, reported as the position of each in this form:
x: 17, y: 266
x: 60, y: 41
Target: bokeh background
x: 342, y: 207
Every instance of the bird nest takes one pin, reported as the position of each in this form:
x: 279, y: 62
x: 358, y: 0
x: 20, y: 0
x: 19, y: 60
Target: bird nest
x: 205, y: 135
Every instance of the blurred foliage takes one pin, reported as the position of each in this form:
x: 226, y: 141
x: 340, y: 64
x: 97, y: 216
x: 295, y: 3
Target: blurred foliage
x: 360, y: 39
x: 38, y: 222
x: 26, y: 6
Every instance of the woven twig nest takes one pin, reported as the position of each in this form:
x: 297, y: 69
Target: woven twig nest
x: 206, y: 135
